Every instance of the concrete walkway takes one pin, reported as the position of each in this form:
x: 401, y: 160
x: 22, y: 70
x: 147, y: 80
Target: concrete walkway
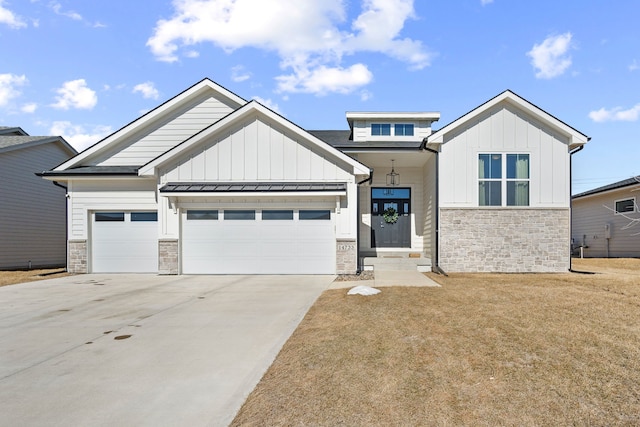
x: 142, y: 350
x: 390, y: 278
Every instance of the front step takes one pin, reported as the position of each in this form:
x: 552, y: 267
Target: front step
x: 396, y: 262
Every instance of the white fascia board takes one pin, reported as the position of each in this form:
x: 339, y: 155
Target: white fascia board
x: 247, y: 109
x: 576, y: 138
x: 422, y: 115
x: 247, y: 194
x: 175, y: 102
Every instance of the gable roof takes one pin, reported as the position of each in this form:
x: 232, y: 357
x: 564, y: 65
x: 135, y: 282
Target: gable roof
x: 12, y: 130
x: 610, y: 187
x: 17, y: 142
x: 576, y: 138
x: 249, y: 108
x: 157, y: 114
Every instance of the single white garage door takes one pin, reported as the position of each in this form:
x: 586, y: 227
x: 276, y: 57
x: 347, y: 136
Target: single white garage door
x: 258, y: 242
x: 124, y: 242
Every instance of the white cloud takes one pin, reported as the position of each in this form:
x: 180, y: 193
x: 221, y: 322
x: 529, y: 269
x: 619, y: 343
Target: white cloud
x: 323, y: 80
x: 147, y: 90
x: 9, y: 84
x: 9, y: 18
x: 634, y: 65
x: 77, y: 135
x: 75, y: 94
x: 616, y: 114
x: 486, y: 2
x: 57, y: 8
x: 311, y: 37
x: 269, y: 104
x: 365, y: 95
x: 239, y: 74
x: 551, y: 57
x: 29, y: 108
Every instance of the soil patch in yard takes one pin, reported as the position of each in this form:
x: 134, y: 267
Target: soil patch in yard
x: 13, y: 277
x: 485, y: 349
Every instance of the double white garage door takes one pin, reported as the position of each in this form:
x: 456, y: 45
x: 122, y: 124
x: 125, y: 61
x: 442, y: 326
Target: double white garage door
x: 258, y: 242
x: 230, y: 241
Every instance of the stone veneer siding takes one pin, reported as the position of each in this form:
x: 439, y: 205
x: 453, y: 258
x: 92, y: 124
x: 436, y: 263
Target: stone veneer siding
x: 346, y: 256
x: 504, y: 240
x: 168, y: 256
x: 77, y: 256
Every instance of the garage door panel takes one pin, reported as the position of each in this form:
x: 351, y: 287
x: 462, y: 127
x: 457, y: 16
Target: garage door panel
x: 258, y: 246
x: 124, y: 246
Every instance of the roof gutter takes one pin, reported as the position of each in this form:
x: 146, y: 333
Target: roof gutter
x: 571, y: 153
x: 436, y: 267
x: 359, y: 216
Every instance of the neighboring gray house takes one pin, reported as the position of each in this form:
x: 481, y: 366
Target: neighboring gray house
x: 209, y: 183
x: 606, y: 220
x: 33, y: 211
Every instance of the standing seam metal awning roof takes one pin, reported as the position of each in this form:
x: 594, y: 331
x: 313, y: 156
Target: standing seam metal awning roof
x: 252, y: 187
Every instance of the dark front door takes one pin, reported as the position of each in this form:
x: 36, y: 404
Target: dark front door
x: 387, y: 231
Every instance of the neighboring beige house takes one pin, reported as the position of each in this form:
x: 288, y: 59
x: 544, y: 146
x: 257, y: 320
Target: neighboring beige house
x: 606, y: 221
x: 208, y: 183
x: 33, y: 214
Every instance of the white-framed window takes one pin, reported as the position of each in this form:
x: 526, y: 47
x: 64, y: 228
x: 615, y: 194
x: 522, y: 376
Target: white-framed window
x: 503, y: 179
x: 381, y: 129
x: 625, y: 205
x: 403, y: 129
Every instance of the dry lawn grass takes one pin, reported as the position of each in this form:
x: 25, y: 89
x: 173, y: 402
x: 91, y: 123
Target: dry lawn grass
x: 21, y: 276
x: 485, y: 349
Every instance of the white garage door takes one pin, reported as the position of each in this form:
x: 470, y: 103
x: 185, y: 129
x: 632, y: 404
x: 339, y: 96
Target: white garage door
x: 258, y: 242
x: 124, y: 242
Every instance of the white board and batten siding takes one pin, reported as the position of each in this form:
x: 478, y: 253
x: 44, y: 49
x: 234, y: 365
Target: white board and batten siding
x: 590, y: 215
x: 32, y: 214
x: 508, y: 131
x: 258, y: 150
x: 157, y: 138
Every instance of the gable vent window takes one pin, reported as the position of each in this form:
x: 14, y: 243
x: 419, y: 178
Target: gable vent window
x: 625, y: 206
x: 381, y: 129
x: 403, y: 129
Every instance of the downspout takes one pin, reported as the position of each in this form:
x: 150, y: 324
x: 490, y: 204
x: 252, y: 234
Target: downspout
x: 571, y: 153
x: 436, y: 267
x: 359, y: 216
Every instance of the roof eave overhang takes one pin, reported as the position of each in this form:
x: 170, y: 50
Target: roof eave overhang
x: 254, y: 194
x: 629, y: 187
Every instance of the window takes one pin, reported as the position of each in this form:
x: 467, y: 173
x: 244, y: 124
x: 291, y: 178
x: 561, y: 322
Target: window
x: 626, y: 205
x: 243, y: 215
x: 503, y: 183
x: 380, y: 129
x: 315, y: 214
x: 403, y: 129
x: 277, y: 214
x: 144, y: 216
x: 109, y: 216
x: 202, y: 215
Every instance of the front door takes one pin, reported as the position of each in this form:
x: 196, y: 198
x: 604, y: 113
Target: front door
x: 390, y: 217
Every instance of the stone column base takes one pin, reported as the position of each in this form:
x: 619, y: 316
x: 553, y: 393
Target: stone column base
x: 346, y: 256
x: 77, y: 263
x: 168, y: 256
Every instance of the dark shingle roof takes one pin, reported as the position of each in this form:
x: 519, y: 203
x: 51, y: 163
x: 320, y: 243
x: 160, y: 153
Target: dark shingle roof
x: 94, y: 170
x: 12, y: 130
x: 342, y: 140
x: 620, y: 184
x: 254, y: 187
x: 7, y: 141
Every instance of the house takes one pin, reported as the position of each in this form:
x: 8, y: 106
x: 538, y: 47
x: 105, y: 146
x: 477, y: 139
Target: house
x: 210, y: 183
x: 606, y: 220
x: 33, y: 214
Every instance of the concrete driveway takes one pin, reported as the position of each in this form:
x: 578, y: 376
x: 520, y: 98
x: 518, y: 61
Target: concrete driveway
x: 142, y: 350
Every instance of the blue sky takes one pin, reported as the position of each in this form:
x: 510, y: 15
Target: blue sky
x: 83, y: 69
